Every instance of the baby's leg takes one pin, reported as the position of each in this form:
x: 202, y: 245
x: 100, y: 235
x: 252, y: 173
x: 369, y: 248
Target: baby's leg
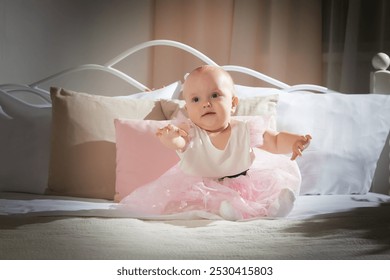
x: 283, y: 204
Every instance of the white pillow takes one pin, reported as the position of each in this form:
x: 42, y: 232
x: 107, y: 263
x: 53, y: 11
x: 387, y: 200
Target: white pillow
x: 25, y: 141
x: 243, y: 92
x: 349, y: 133
x: 166, y: 92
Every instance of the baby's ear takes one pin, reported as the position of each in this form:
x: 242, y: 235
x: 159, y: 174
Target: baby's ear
x: 234, y: 104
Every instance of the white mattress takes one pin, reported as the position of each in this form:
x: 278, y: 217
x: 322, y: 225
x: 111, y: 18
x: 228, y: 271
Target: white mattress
x: 319, y: 227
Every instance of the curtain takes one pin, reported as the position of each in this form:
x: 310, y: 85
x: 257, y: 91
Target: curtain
x: 353, y: 32
x: 281, y: 38
x: 325, y: 42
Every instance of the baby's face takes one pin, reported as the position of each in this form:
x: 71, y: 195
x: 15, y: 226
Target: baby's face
x: 209, y: 98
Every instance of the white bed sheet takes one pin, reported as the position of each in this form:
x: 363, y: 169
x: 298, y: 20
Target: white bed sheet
x: 307, y: 206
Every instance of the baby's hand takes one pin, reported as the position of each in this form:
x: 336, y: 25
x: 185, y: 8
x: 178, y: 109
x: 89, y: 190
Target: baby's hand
x: 300, y: 145
x: 170, y: 131
x: 171, y: 136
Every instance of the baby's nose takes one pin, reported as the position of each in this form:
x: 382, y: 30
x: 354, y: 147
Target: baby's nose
x: 207, y: 104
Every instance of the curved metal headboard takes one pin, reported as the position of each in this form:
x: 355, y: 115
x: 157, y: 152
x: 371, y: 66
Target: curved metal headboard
x: 109, y: 67
x: 8, y: 100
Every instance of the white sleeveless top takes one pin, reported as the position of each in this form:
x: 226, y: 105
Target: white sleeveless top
x: 202, y: 158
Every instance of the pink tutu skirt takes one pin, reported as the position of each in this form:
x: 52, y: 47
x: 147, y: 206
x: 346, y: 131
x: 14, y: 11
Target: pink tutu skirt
x: 251, y: 195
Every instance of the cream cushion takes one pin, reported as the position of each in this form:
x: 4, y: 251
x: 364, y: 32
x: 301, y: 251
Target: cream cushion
x: 82, y: 159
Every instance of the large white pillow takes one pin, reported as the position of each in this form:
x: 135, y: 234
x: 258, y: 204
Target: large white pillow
x: 167, y: 92
x: 25, y: 140
x: 349, y: 133
x: 243, y: 92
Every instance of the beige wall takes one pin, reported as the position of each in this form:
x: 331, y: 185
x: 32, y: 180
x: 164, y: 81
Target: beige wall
x: 40, y: 37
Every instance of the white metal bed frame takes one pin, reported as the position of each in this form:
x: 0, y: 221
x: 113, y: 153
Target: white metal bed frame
x: 35, y: 88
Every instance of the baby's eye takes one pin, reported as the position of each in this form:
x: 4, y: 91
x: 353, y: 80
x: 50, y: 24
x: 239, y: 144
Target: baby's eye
x: 195, y: 99
x: 214, y: 95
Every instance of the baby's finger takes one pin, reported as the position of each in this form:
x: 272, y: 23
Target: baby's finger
x: 183, y: 133
x: 163, y: 130
x: 294, y: 156
x: 307, y: 139
x: 306, y: 142
x: 159, y: 132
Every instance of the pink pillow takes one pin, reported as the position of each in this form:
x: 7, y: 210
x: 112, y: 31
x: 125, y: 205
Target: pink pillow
x: 140, y: 157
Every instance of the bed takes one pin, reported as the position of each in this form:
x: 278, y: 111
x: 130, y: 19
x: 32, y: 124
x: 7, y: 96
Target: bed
x: 63, y: 168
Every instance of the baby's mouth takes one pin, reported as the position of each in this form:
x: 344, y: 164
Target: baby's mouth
x: 208, y: 113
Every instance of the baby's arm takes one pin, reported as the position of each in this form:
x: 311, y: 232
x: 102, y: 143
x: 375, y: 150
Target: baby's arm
x: 284, y: 143
x: 173, y: 137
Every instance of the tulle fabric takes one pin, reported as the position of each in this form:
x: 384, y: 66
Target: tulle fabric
x: 251, y: 195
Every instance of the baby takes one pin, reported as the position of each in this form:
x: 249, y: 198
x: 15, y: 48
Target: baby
x: 218, y: 170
